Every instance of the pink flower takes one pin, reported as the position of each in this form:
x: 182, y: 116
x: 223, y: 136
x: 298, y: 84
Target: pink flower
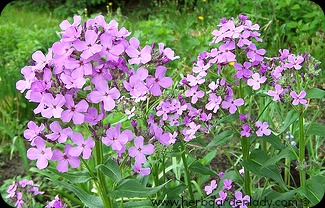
x: 262, y: 129
x: 40, y: 153
x: 65, y: 159
x: 294, y: 61
x: 33, y: 131
x: 221, y: 199
x: 256, y: 81
x: 140, y: 150
x: 246, y: 130
x: 58, y: 133
x: 53, y: 106
x: 192, y: 92
x: 89, y: 46
x: 29, y: 76
x: 227, y: 184
x: 209, y: 189
x: 137, y: 167
x: 214, y: 103
x: 103, y: 94
x: 276, y: 93
x: 232, y: 104
x: 92, y: 116
x: 137, y: 57
x: 240, y: 200
x: 115, y: 138
x: 298, y: 98
x: 74, y: 111
x: 83, y: 146
x: 154, y: 83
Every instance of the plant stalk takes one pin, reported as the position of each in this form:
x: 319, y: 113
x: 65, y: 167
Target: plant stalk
x: 302, y: 172
x: 187, y: 175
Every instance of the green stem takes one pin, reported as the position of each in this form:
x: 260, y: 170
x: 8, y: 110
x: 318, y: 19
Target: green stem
x: 187, y: 175
x: 245, y: 142
x: 287, y: 171
x: 102, y: 187
x: 302, y: 173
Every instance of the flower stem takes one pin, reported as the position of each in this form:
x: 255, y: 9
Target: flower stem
x: 302, y: 173
x: 102, y: 187
x: 187, y: 175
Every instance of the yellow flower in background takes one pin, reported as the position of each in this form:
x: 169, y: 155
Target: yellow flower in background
x: 201, y: 17
x: 204, y: 0
x: 110, y: 3
x: 231, y: 63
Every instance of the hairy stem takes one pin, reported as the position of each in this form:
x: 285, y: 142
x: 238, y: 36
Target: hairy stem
x: 187, y: 175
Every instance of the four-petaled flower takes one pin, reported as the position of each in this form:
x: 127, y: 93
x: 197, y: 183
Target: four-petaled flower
x: 298, y: 98
x: 115, y: 138
x: 41, y: 153
x: 154, y: 83
x: 256, y: 81
x: 74, y: 111
x: 139, y: 151
x: 208, y: 189
x: 232, y: 104
x: 83, y: 146
x: 65, y: 159
x: 262, y: 128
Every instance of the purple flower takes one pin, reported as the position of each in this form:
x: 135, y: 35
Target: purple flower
x: 240, y: 200
x: 110, y: 51
x: 221, y: 174
x: 58, y: 133
x: 65, y: 159
x: 232, y: 104
x: 246, y: 131
x: 298, y: 98
x: 256, y: 81
x: 137, y: 57
x: 227, y: 184
x: 56, y: 203
x: 168, y: 53
x: 154, y: 83
x: 195, y: 80
x: 115, y: 138
x: 89, y: 46
x: 40, y: 153
x: 208, y: 189
x: 29, y: 76
x: 189, y: 134
x: 53, y: 106
x: 276, y: 93
x: 192, y: 92
x: 137, y: 167
x: 294, y: 62
x: 262, y: 128
x: 64, y: 25
x: 12, y: 190
x: 73, y: 79
x: 243, y: 71
x: 226, y: 55
x: 19, y: 203
x: 33, y: 131
x: 255, y: 54
x: 140, y: 150
x: 163, y: 137
x: 221, y: 199
x: 74, y: 111
x: 243, y: 117
x: 105, y: 95
x: 83, y: 146
x: 214, y: 103
x: 92, y: 116
x: 41, y: 60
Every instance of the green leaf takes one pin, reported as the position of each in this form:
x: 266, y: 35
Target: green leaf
x: 292, y: 24
x: 208, y: 157
x: 74, y: 177
x: 88, y: 199
x: 316, y: 129
x: 285, y: 153
x: 202, y: 169
x: 255, y: 165
x: 111, y: 169
x: 274, y: 141
x: 314, y: 190
x: 291, y: 117
x: 138, y: 204
x: 221, y: 138
x: 131, y: 188
x: 228, y: 119
x: 315, y: 93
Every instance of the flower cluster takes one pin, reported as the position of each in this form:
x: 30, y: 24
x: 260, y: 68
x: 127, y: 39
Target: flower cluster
x: 19, y: 192
x: 227, y: 193
x: 92, y: 71
x: 56, y: 203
